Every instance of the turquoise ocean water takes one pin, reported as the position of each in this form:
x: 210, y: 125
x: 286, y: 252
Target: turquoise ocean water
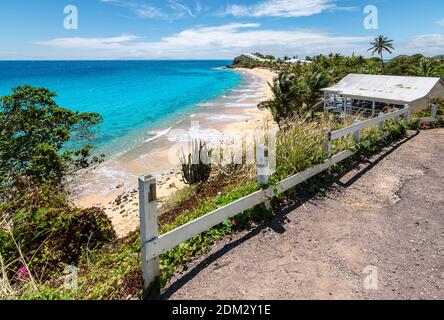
x: 137, y: 99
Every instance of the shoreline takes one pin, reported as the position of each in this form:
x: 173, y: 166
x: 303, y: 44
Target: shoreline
x: 113, y: 185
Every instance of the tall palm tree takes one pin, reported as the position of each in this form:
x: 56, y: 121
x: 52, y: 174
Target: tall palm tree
x: 381, y: 44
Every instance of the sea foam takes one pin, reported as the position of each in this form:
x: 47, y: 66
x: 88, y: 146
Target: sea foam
x: 158, y: 134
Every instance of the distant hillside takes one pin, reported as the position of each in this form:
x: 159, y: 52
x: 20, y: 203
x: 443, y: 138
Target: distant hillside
x: 246, y: 61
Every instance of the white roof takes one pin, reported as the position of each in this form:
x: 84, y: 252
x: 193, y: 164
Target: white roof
x: 391, y: 89
x: 254, y: 57
x: 297, y: 61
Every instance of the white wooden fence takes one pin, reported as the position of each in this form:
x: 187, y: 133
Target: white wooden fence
x: 153, y: 245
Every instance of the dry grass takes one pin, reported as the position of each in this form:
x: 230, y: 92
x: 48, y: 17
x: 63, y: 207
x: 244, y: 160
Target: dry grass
x: 11, y: 288
x: 299, y: 147
x: 6, y: 289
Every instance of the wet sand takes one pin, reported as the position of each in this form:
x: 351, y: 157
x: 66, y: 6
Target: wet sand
x: 113, y: 185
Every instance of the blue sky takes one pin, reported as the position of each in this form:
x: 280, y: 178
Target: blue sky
x: 213, y: 29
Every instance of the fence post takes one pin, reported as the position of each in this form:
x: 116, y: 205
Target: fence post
x: 148, y: 232
x: 407, y: 114
x: 327, y: 145
x: 434, y: 111
x: 327, y: 142
x: 263, y: 169
x: 396, y: 119
x: 357, y: 134
x: 382, y: 124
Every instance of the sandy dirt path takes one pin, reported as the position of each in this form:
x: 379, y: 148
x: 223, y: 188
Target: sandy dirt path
x: 387, y: 213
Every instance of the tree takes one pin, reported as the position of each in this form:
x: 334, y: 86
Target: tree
x: 296, y: 92
x: 34, y: 137
x: 402, y: 65
x: 427, y: 67
x: 281, y: 104
x: 381, y: 44
x: 315, y: 78
x: 41, y: 143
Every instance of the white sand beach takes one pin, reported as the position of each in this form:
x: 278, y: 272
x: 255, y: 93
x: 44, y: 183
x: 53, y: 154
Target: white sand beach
x: 113, y: 185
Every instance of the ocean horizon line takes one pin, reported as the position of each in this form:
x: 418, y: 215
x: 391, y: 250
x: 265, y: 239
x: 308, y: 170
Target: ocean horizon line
x: 119, y: 60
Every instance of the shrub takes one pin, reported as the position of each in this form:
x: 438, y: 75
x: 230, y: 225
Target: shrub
x: 298, y: 148
x: 49, y: 232
x: 40, y: 140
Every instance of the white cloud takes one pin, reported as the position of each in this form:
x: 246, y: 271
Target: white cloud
x: 224, y: 41
x: 440, y: 22
x: 171, y: 9
x: 428, y: 44
x: 90, y: 43
x: 281, y: 8
x: 146, y: 11
x: 181, y: 9
x: 140, y: 10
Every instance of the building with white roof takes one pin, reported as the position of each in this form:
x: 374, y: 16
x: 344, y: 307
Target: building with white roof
x: 297, y: 61
x: 374, y: 92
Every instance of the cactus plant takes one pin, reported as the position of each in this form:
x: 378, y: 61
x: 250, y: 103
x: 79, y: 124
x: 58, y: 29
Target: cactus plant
x: 196, y: 167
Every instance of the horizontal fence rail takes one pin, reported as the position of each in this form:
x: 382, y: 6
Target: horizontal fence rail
x: 364, y: 124
x: 189, y: 230
x: 154, y: 245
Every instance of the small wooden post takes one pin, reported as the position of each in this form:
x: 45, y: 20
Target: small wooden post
x: 357, y: 134
x: 325, y: 101
x: 263, y: 169
x: 407, y: 114
x: 396, y: 119
x: 327, y: 145
x: 382, y: 124
x: 434, y: 111
x: 373, y: 108
x: 148, y: 232
x: 327, y: 142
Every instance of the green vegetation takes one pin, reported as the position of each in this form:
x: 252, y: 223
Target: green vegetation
x: 416, y: 65
x: 381, y: 44
x: 264, y: 56
x: 174, y: 260
x: 40, y: 231
x: 296, y: 89
x: 338, y: 66
x: 49, y: 232
x: 439, y: 103
x: 33, y: 134
x: 428, y: 67
x: 298, y: 148
x: 41, y: 144
x: 113, y: 272
x: 196, y: 167
x: 243, y: 61
x: 296, y: 92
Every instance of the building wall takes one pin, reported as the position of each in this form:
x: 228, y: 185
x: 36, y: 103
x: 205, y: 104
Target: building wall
x: 419, y: 105
x: 424, y: 103
x: 438, y: 91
